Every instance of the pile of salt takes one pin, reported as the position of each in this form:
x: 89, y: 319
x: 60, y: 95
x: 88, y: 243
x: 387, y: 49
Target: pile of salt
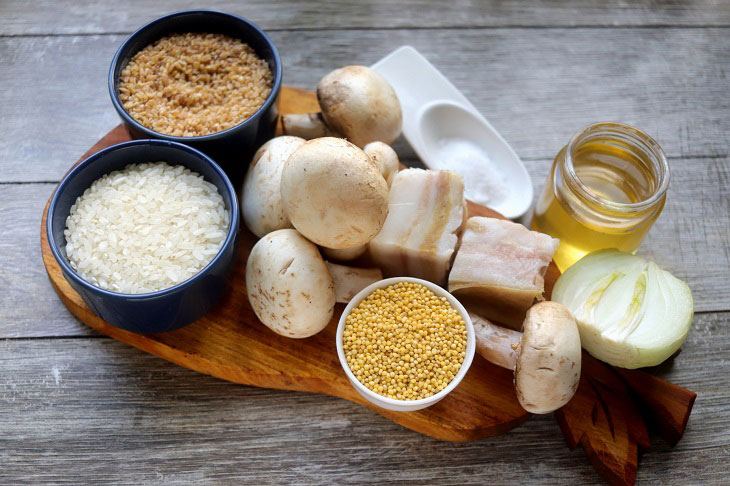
x: 483, y: 182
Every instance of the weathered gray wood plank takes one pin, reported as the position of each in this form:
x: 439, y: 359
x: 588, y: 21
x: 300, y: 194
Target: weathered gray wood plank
x: 86, y: 410
x: 19, y: 17
x: 691, y: 239
x: 537, y: 87
x: 28, y: 304
x: 94, y: 410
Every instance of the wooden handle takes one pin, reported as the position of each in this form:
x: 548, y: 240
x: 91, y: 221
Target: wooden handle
x: 665, y: 406
x: 608, y: 415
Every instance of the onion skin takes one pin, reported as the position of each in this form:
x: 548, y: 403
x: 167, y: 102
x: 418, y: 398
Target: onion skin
x: 630, y: 312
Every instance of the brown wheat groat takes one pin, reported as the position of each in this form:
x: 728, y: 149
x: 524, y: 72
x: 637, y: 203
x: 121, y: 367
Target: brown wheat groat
x: 194, y: 84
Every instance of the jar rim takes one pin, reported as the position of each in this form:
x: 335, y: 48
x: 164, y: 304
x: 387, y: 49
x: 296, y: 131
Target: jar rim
x: 635, y: 137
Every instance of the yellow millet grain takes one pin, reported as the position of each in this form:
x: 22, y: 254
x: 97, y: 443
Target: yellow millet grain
x: 404, y: 342
x: 194, y: 84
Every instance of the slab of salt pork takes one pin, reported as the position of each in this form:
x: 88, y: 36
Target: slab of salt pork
x: 499, y: 269
x: 426, y: 212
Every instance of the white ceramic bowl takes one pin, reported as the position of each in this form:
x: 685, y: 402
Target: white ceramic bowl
x: 406, y: 405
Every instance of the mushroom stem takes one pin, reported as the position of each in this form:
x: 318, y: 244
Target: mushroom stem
x: 545, y: 357
x: 306, y: 126
x: 496, y: 344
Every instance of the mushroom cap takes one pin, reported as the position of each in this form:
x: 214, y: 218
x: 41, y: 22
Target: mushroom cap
x: 548, y: 364
x: 361, y: 105
x: 289, y: 285
x: 333, y: 193
x: 263, y: 211
x: 384, y: 158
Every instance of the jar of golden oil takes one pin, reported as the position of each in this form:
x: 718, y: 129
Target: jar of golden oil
x: 605, y: 190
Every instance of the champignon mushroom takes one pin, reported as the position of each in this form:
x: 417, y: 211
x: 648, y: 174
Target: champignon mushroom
x: 288, y: 284
x: 545, y: 357
x: 357, y: 103
x: 263, y: 211
x: 344, y: 254
x: 333, y: 194
x: 384, y: 158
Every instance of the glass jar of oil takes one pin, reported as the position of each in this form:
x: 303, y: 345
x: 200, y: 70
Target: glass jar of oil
x: 605, y: 190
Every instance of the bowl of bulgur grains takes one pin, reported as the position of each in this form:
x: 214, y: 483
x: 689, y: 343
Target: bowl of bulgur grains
x: 200, y: 77
x: 405, y: 343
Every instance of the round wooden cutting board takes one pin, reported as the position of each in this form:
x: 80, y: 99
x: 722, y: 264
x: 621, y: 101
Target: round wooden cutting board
x: 230, y: 342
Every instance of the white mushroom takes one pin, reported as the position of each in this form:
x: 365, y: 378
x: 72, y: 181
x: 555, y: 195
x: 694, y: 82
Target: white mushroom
x: 388, y: 164
x: 344, y: 254
x: 385, y: 159
x: 545, y: 357
x: 306, y: 125
x: 351, y: 280
x: 333, y: 194
x: 288, y: 284
x: 357, y: 103
x: 263, y: 211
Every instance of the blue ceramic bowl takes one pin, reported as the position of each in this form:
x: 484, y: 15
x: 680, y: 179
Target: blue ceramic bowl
x: 166, y: 309
x: 232, y: 148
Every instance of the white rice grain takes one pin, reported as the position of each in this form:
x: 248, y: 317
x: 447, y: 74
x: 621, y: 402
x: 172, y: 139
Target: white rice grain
x: 145, y: 228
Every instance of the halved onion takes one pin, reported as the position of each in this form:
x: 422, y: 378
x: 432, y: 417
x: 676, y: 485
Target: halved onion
x: 630, y: 312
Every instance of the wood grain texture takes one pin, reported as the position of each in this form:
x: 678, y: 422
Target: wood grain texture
x: 19, y: 17
x: 90, y: 409
x: 230, y: 342
x: 668, y: 416
x: 84, y: 410
x: 691, y: 239
x: 28, y: 305
x: 536, y: 86
x: 602, y: 418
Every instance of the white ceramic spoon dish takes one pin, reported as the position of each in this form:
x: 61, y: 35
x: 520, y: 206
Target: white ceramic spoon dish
x: 447, y: 132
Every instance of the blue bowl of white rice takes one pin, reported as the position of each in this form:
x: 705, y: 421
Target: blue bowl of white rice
x: 146, y: 232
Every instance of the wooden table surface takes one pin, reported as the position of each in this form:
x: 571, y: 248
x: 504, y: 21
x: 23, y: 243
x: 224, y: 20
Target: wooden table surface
x: 78, y: 407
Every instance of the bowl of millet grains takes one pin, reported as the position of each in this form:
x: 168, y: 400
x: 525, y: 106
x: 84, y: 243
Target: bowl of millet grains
x: 405, y: 343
